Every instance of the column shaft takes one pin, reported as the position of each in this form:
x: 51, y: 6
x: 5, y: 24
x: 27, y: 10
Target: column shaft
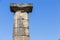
x: 21, y: 29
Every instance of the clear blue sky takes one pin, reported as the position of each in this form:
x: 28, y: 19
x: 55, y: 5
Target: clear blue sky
x: 44, y: 20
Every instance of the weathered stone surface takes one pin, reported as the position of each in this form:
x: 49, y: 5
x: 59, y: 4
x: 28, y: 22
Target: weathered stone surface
x: 21, y: 26
x: 23, y: 31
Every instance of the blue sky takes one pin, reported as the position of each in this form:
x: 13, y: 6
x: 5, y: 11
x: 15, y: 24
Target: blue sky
x: 44, y: 20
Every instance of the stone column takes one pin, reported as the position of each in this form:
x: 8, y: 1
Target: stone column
x: 21, y: 26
